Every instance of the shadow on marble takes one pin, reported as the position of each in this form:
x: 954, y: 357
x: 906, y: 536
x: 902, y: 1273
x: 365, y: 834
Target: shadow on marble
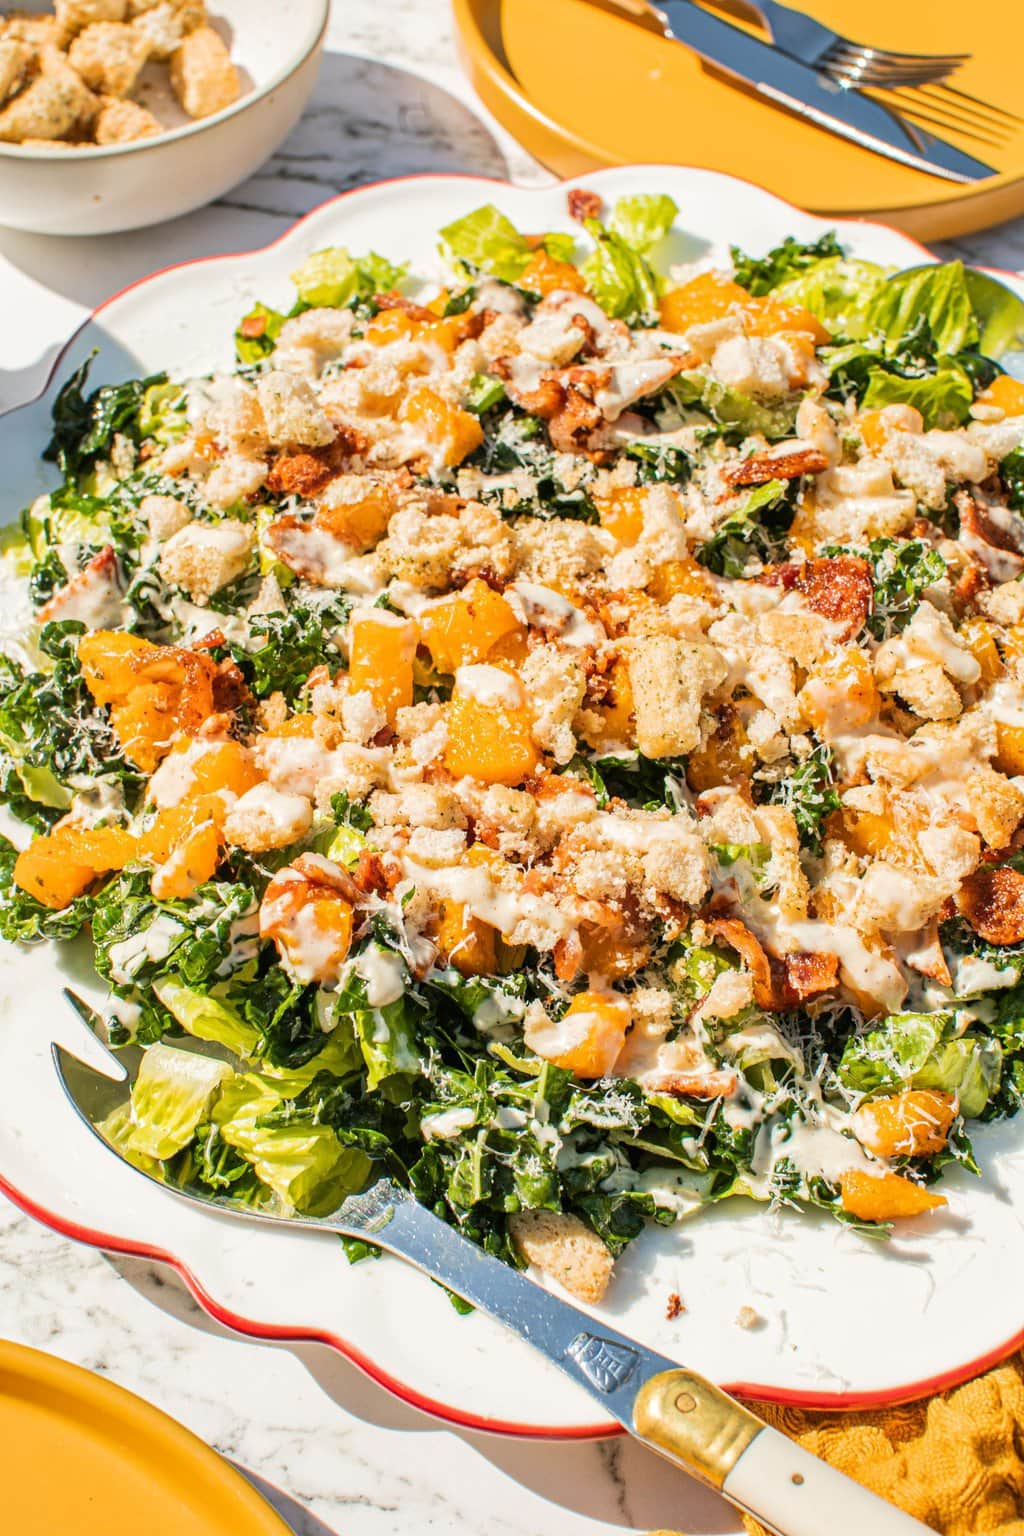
x: 615, y: 1481
x: 301, y: 1520
x: 367, y: 121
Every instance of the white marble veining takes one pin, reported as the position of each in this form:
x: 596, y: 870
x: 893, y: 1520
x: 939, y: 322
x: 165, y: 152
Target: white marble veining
x: 390, y: 102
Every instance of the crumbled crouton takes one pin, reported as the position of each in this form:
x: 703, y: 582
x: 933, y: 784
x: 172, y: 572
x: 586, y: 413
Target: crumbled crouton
x: 427, y: 549
x: 74, y: 16
x: 202, y: 74
x: 50, y: 108
x: 555, y: 684
x: 310, y: 340
x: 39, y: 32
x: 915, y: 665
x: 924, y: 463
x: 563, y: 1247
x: 165, y: 23
x: 676, y: 864
x: 555, y: 554
x: 203, y: 557
x: 996, y: 805
x: 15, y: 63
x: 235, y: 478
x: 669, y: 678
x: 292, y: 413
x: 1004, y: 604
x: 753, y: 365
x: 109, y: 57
x: 165, y: 515
x: 265, y: 818
x: 123, y: 122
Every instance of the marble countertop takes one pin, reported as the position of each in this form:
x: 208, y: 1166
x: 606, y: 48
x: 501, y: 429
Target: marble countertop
x: 390, y: 102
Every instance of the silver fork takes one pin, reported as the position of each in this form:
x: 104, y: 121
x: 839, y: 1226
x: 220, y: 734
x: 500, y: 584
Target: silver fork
x: 793, y: 32
x: 673, y: 1410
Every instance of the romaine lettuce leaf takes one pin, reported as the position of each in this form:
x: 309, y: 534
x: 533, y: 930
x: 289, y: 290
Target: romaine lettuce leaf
x: 256, y: 336
x: 756, y: 532
x: 306, y: 1166
x: 944, y: 398
x: 744, y: 413
x: 643, y: 219
x: 619, y: 277
x: 923, y: 1050
x: 839, y: 290
x: 910, y: 371
x: 487, y: 241
x: 207, y: 1017
x: 331, y: 278
x: 172, y: 1093
x: 939, y: 295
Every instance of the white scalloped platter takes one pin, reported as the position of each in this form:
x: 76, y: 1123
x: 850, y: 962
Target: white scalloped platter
x: 843, y: 1321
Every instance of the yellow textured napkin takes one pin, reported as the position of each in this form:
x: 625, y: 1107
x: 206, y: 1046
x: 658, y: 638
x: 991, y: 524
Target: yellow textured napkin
x: 955, y: 1462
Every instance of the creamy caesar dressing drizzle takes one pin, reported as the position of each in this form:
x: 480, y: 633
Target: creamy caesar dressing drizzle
x: 153, y: 943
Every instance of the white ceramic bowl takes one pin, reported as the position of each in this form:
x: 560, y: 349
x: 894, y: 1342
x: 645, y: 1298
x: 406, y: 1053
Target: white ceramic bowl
x: 276, y: 46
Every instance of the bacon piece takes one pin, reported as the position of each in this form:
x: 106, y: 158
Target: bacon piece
x: 992, y: 901
x: 369, y: 874
x: 583, y: 204
x: 716, y: 1083
x: 739, y: 937
x: 408, y: 307
x: 926, y: 956
x: 230, y: 690
x: 803, y: 975
x: 840, y: 589
x: 307, y: 472
x: 781, y: 983
x: 759, y: 468
x: 1000, y: 549
x: 93, y: 594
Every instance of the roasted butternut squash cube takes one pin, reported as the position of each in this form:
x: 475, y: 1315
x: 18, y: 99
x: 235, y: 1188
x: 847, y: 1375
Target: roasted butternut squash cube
x: 622, y: 513
x: 109, y: 661
x: 361, y: 523
x: 840, y: 694
x: 466, y: 942
x: 1006, y: 393
x: 63, y: 864
x: 589, y: 1036
x: 489, y: 729
x: 544, y: 274
x: 467, y: 627
x: 381, y: 651
x: 449, y: 433
x: 679, y: 577
x: 189, y: 865
x: 704, y: 298
x: 616, y: 720
x: 914, y: 1123
x: 979, y: 636
x: 884, y: 1196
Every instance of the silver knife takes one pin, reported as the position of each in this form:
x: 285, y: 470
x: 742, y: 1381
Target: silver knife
x: 795, y: 86
x: 671, y: 1409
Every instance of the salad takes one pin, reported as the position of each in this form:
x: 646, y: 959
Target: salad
x: 553, y: 734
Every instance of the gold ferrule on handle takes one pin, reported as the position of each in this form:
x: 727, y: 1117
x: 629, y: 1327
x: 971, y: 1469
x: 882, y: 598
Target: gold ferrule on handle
x: 686, y: 1418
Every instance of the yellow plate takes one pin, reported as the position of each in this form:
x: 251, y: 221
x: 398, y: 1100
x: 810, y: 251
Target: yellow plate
x: 583, y: 88
x: 80, y: 1455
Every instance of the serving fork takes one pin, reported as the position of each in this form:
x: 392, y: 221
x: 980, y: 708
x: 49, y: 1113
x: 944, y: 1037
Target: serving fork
x: 671, y: 1409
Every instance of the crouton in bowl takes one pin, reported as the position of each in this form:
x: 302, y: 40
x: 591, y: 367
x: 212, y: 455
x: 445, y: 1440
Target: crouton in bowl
x: 115, y: 114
